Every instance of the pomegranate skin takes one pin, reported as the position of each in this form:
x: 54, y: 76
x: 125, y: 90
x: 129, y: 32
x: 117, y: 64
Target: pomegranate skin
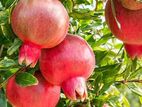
x: 130, y: 23
x: 70, y: 60
x: 42, y: 22
x: 42, y: 95
x: 73, y: 57
x: 131, y: 4
x: 134, y: 51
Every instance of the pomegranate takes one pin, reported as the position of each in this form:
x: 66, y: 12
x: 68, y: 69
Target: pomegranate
x: 134, y: 51
x: 69, y: 64
x: 125, y: 24
x: 132, y: 4
x: 42, y: 95
x: 39, y: 24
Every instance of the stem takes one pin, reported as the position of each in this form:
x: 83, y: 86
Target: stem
x: 73, y: 3
x: 127, y: 81
x: 1, y: 50
x: 96, y: 5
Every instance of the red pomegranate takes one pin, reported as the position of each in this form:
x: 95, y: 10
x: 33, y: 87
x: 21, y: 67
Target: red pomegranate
x: 39, y: 24
x: 134, y: 51
x: 69, y: 64
x: 41, y: 95
x: 132, y: 4
x: 125, y: 24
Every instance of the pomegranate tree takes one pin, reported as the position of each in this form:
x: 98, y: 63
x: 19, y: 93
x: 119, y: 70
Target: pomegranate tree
x: 69, y: 64
x: 132, y: 4
x: 39, y: 24
x: 125, y: 24
x: 42, y: 95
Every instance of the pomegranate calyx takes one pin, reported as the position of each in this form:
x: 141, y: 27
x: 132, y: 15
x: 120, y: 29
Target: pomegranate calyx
x: 75, y: 88
x: 29, y: 54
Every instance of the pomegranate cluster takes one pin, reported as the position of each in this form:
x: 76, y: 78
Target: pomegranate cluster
x: 66, y: 61
x: 124, y: 20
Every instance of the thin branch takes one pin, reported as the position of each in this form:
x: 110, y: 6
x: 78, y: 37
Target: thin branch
x: 96, y: 5
x: 73, y: 3
x: 128, y: 81
x: 1, y: 50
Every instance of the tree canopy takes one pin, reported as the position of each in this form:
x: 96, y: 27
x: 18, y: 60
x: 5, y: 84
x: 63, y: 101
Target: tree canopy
x: 116, y: 80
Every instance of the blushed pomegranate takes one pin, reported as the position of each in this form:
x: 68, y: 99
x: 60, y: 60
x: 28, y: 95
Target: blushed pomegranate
x: 42, y: 95
x: 134, y: 51
x: 125, y: 24
x: 39, y: 24
x: 132, y: 4
x: 69, y: 64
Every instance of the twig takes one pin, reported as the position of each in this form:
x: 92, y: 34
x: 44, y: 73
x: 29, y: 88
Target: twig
x: 1, y: 50
x: 96, y: 5
x: 73, y: 3
x: 127, y: 81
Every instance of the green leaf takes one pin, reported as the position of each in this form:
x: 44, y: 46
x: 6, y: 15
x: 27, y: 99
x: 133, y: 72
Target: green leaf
x: 7, y: 63
x: 26, y: 79
x: 98, y: 80
x: 83, y: 1
x: 107, y: 68
x: 3, y: 102
x: 69, y: 5
x: 84, y: 14
x: 135, y: 89
x: 100, y: 55
x: 3, y: 2
x: 9, y: 3
x: 8, y: 32
x: 136, y: 73
x: 140, y: 98
x: 103, y: 39
x: 3, y: 39
x: 4, y: 17
x: 15, y: 46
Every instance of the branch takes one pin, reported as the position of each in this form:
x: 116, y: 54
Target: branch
x: 1, y: 50
x: 73, y: 3
x: 128, y: 81
x: 96, y: 5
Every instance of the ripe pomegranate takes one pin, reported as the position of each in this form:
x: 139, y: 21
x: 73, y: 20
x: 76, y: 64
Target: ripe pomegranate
x: 134, y: 51
x: 42, y: 95
x: 132, y: 4
x: 39, y: 24
x: 69, y: 64
x: 125, y: 24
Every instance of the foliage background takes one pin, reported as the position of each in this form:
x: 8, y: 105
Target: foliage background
x: 116, y: 80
